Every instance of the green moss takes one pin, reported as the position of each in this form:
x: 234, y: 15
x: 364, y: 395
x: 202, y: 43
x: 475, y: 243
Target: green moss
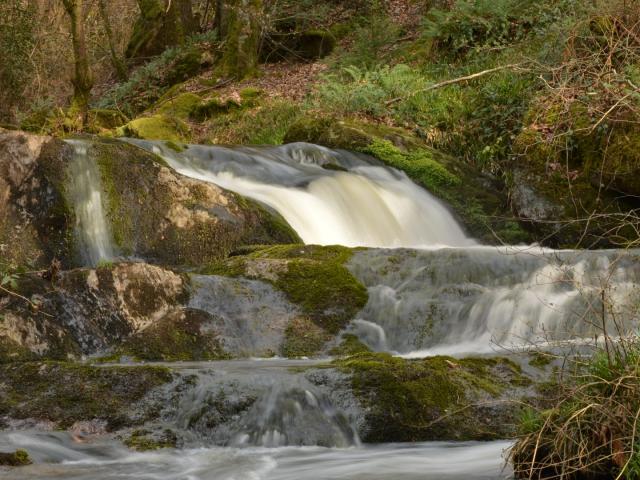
x: 312, y: 277
x: 19, y: 458
x: 68, y: 392
x: 180, y: 106
x: 144, y: 441
x: 175, y: 338
x: 214, y: 107
x: 350, y: 345
x: 105, y: 119
x: 250, y: 96
x: 419, y: 165
x: 265, y: 123
x: 11, y: 351
x: 540, y: 360
x: 430, y: 399
x: 157, y: 127
x: 303, y: 338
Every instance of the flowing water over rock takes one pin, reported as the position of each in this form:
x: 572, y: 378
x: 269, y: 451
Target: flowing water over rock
x: 278, y: 420
x: 482, y: 299
x: 92, y: 229
x: 329, y: 197
x: 58, y: 457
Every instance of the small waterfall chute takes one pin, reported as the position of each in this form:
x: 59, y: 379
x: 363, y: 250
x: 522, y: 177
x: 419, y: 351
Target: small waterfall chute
x: 92, y: 229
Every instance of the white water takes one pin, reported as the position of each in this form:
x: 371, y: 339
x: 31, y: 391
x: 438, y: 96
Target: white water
x: 92, y: 229
x: 366, y: 205
x: 58, y: 457
x: 486, y: 299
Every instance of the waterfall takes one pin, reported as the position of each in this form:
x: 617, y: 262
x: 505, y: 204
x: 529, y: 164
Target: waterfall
x: 483, y: 299
x: 328, y: 196
x: 92, y: 229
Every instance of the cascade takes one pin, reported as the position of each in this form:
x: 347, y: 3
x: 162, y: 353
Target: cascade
x: 330, y: 197
x: 482, y: 299
x: 92, y: 229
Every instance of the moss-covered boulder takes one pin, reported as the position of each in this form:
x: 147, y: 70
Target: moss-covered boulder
x: 157, y: 127
x: 438, y: 398
x: 35, y: 218
x: 314, y: 279
x: 66, y: 393
x: 478, y: 200
x: 160, y: 215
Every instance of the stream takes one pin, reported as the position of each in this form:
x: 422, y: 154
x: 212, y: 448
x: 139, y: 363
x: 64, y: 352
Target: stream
x: 432, y: 290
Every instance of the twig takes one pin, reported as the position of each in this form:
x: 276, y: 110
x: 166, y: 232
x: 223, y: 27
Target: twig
x: 454, y: 81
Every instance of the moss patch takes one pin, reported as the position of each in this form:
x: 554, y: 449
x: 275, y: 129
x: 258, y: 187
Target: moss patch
x: 438, y: 398
x: 157, y: 127
x: 143, y: 440
x: 19, y: 458
x: 350, y: 345
x: 180, y: 106
x: 67, y: 392
x: 177, y: 337
x: 312, y: 277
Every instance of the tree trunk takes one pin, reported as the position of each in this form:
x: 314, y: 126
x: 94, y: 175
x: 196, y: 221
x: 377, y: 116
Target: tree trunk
x: 219, y: 20
x: 161, y: 24
x: 117, y: 62
x: 82, y: 80
x: 242, y: 32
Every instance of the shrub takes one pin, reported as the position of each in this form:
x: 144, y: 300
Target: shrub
x: 591, y: 431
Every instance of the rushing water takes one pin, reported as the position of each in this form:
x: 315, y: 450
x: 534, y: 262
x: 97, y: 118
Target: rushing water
x: 58, y: 457
x: 263, y: 419
x: 480, y: 299
x: 330, y: 197
x: 92, y: 229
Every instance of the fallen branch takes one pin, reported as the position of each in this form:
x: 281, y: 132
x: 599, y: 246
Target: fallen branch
x: 454, y: 81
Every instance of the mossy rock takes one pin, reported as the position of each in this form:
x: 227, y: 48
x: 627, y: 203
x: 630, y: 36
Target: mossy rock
x: 177, y: 337
x: 142, y: 440
x: 438, y: 398
x: 12, y: 351
x: 312, y: 277
x: 213, y: 107
x: 350, y: 345
x: 569, y: 198
x: 180, y: 106
x: 164, y: 217
x: 19, y: 458
x: 104, y: 119
x: 66, y: 393
x: 156, y: 127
